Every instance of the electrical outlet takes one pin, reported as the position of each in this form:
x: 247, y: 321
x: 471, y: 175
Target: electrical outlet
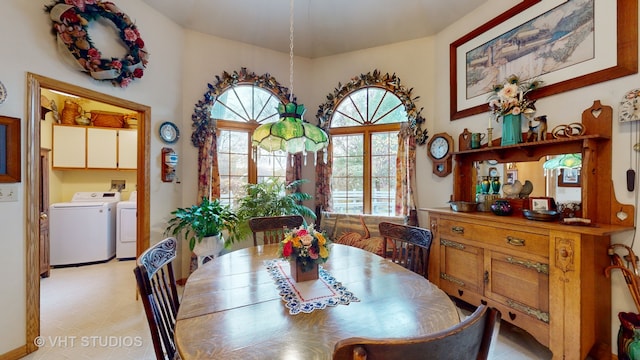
x: 8, y: 193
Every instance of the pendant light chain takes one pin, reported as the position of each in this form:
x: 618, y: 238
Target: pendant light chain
x: 291, y: 50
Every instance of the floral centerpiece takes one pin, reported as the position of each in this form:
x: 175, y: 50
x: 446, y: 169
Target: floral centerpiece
x: 304, y: 246
x: 509, y: 100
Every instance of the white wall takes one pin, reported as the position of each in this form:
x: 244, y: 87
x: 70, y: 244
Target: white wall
x: 181, y: 65
x: 28, y: 46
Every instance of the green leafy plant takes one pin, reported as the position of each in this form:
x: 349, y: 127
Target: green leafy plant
x: 208, y: 218
x: 271, y: 197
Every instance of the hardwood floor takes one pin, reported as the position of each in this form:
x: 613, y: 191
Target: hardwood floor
x: 91, y: 312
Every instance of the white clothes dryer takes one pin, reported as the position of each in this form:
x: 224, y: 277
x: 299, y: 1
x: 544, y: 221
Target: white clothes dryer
x: 83, y: 230
x: 126, y: 215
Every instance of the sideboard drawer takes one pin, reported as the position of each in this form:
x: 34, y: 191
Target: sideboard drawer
x: 516, y: 240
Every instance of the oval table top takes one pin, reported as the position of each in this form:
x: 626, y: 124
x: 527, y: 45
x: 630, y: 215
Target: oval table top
x: 231, y: 307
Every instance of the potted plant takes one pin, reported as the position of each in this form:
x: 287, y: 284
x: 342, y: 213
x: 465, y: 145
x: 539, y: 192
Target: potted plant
x: 271, y: 197
x: 203, y: 221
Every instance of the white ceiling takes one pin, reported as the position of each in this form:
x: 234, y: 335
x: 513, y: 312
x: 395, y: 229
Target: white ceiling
x: 321, y: 27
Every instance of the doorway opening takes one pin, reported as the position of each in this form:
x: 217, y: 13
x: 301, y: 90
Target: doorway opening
x: 33, y: 191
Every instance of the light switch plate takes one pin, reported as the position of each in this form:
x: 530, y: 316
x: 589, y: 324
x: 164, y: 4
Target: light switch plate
x: 8, y: 193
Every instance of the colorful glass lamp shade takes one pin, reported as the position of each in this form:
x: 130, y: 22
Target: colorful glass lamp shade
x: 566, y: 161
x: 290, y: 134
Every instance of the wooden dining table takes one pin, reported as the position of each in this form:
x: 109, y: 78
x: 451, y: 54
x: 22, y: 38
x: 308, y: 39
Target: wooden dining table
x: 231, y: 307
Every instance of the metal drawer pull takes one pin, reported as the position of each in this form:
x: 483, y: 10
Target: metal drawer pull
x: 515, y: 241
x: 451, y: 279
x: 452, y: 244
x: 541, y: 268
x: 540, y: 315
x: 457, y: 229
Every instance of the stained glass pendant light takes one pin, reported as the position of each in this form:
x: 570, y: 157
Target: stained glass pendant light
x: 290, y: 133
x: 566, y: 161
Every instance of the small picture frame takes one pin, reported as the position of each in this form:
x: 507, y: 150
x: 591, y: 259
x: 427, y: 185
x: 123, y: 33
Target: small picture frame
x: 540, y: 203
x: 569, y: 178
x: 511, y: 176
x: 9, y: 149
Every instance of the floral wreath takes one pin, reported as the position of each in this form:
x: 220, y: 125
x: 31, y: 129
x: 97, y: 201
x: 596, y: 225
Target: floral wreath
x: 70, y: 19
x: 203, y: 124
x: 387, y: 82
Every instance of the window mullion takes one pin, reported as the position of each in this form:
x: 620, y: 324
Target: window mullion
x: 367, y: 172
x: 253, y: 161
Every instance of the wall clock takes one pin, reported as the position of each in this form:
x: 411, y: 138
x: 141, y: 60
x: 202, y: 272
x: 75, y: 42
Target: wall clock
x: 439, y: 150
x: 169, y: 132
x: 630, y: 106
x: 3, y: 93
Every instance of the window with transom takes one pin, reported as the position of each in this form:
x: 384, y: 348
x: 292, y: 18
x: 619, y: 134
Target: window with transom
x: 238, y: 111
x: 364, y: 135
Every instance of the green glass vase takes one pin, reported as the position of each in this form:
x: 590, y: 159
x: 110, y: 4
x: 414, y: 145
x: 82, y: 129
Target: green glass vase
x: 511, y: 129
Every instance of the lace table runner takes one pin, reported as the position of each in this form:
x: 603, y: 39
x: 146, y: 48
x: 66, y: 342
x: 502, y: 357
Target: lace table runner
x: 310, y: 295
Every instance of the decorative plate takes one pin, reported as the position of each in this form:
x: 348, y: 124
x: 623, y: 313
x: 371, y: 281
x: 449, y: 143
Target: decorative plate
x: 3, y: 93
x: 169, y: 132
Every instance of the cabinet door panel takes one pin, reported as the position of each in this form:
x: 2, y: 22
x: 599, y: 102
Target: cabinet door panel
x: 461, y: 265
x: 102, y: 148
x: 69, y: 146
x: 127, y: 149
x: 519, y: 283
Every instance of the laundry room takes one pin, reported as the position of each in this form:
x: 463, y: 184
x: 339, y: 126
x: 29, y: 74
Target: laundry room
x: 89, y: 169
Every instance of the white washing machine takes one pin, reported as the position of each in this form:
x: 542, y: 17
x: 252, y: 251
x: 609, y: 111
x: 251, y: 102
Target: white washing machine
x: 126, y: 215
x: 84, y: 229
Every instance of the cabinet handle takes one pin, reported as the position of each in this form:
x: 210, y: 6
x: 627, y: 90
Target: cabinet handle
x: 515, y: 241
x: 457, y: 229
x: 541, y: 268
x: 539, y: 314
x: 451, y: 279
x: 486, y: 277
x: 452, y: 244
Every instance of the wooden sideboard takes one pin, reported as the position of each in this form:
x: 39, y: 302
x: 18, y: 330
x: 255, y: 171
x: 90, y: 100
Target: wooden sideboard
x: 545, y: 277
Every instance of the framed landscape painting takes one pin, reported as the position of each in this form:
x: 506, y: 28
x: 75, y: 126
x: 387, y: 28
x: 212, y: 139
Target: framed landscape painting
x: 566, y: 44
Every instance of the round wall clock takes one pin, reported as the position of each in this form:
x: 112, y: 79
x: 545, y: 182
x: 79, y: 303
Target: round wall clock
x: 630, y: 106
x: 439, y: 150
x: 169, y: 132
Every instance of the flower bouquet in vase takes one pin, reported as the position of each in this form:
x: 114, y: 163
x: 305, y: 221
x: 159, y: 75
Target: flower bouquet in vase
x: 305, y: 248
x: 510, y: 101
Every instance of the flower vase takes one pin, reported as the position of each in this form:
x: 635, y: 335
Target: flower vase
x: 495, y: 185
x: 299, y: 275
x: 485, y: 185
x: 511, y: 129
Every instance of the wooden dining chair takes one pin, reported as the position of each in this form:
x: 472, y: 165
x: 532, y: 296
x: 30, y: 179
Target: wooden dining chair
x: 410, y: 246
x: 157, y: 286
x: 273, y: 227
x: 470, y: 339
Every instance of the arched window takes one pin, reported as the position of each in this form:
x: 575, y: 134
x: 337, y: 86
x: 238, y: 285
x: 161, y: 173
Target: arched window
x: 224, y: 120
x: 370, y: 119
x: 364, y: 130
x: 239, y: 110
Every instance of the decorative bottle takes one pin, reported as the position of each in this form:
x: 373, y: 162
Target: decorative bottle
x: 485, y: 184
x: 495, y: 184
